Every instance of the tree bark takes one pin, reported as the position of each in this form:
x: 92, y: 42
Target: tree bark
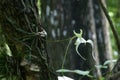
x: 26, y: 38
x: 107, y: 41
x: 92, y: 35
x: 103, y: 38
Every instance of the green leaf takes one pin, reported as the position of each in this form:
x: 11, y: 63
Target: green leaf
x: 8, y: 51
x: 109, y: 61
x: 101, y: 66
x: 80, y: 72
x: 63, y: 70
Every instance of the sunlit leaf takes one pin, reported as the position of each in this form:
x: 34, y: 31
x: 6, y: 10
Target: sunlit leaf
x: 8, y: 51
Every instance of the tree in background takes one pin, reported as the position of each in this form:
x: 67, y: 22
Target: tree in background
x: 103, y: 37
x: 56, y: 16
x: 66, y: 16
x: 26, y: 38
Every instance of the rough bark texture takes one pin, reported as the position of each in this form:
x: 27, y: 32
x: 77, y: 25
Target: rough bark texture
x: 26, y: 38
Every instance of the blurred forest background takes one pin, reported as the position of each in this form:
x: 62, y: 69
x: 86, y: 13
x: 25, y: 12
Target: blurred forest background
x: 59, y: 18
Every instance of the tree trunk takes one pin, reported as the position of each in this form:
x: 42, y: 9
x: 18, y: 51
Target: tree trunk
x: 92, y: 35
x: 27, y: 40
x: 103, y: 38
x: 107, y: 41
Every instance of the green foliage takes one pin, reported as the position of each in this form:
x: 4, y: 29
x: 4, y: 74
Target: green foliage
x: 5, y: 49
x: 5, y: 67
x: 114, y: 11
x: 87, y: 73
x: 7, y: 71
x: 80, y: 72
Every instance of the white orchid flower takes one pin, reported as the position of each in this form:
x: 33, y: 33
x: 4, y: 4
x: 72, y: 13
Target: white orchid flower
x: 64, y: 78
x: 79, y: 41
